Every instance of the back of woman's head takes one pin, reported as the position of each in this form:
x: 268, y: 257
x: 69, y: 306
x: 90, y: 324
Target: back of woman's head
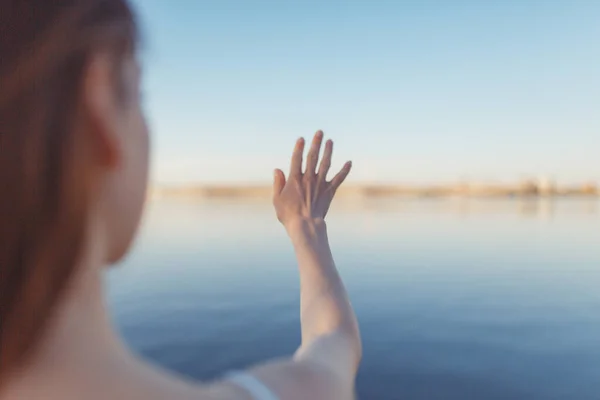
x: 45, y: 171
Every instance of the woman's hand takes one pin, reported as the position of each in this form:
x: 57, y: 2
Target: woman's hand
x: 306, y: 196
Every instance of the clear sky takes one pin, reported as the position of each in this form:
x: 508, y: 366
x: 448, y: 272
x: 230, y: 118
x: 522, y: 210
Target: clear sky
x: 411, y: 91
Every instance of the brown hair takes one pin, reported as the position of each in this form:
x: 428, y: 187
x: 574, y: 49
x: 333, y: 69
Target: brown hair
x: 45, y: 46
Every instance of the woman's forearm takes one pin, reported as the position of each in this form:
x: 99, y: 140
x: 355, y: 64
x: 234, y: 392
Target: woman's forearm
x: 325, y: 308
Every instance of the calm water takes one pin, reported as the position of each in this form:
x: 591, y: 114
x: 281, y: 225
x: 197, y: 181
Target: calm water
x: 456, y: 300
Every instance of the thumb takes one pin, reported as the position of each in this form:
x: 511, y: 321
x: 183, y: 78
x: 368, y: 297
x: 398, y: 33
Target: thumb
x: 278, y: 181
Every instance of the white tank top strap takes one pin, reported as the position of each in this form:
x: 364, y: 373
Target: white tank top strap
x: 257, y: 389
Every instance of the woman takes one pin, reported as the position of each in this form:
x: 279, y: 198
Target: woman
x: 73, y: 172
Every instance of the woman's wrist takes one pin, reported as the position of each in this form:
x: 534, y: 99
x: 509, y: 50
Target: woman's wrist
x: 311, y: 245
x: 303, y: 231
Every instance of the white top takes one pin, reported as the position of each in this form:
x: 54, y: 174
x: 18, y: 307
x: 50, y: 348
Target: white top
x: 257, y: 389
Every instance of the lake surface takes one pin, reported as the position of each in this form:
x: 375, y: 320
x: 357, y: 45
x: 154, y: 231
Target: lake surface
x: 456, y: 299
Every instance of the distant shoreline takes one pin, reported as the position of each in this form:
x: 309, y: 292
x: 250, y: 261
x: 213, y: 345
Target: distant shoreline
x: 525, y: 189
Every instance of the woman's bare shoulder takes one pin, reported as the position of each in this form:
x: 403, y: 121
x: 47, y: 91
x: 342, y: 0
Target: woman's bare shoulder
x: 284, y: 379
x: 142, y: 381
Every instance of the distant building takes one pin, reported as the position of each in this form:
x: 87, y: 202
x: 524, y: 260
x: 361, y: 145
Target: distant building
x: 546, y: 186
x: 529, y: 188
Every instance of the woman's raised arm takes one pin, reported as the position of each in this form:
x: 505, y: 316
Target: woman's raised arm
x: 325, y: 365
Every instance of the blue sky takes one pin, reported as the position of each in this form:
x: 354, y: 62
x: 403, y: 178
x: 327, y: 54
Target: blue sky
x: 411, y: 91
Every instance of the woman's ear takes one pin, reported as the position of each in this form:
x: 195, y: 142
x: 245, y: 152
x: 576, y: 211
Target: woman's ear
x: 101, y: 111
